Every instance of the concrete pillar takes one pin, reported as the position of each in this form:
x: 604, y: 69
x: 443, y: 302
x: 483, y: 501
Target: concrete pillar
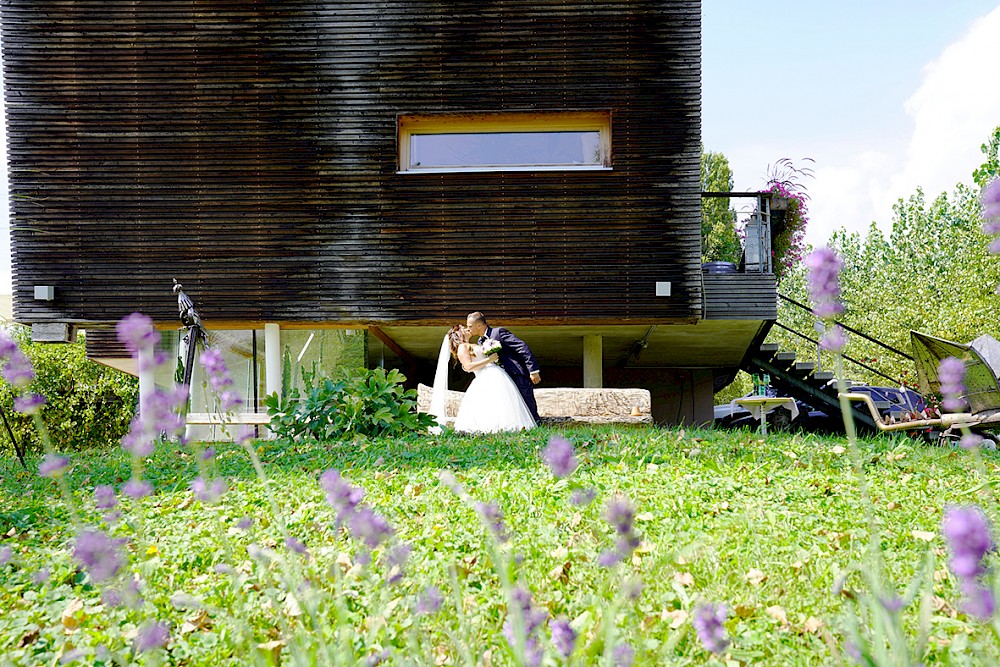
x: 593, y: 362
x: 146, y: 360
x: 272, y: 359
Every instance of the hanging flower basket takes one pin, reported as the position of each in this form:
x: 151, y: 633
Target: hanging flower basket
x: 779, y: 203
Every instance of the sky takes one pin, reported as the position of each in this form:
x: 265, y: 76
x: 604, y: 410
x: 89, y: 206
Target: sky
x: 883, y: 95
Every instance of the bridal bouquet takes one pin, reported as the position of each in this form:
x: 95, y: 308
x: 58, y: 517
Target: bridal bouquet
x: 491, y: 346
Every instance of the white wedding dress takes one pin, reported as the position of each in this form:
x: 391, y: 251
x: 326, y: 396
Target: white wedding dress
x: 492, y: 403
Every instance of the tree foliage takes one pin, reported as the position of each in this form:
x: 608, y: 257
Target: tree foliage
x: 931, y: 273
x: 719, y: 239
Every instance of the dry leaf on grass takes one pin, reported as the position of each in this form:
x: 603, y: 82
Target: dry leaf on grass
x: 755, y: 577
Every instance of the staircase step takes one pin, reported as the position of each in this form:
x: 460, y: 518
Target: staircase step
x: 804, y: 367
x: 768, y: 349
x: 822, y: 377
x: 784, y: 359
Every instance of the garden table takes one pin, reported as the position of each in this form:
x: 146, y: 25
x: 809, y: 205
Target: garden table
x: 759, y: 406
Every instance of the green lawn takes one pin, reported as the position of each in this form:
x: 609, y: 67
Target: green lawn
x: 768, y: 528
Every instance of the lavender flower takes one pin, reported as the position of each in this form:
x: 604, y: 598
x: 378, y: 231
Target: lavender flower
x: 521, y: 630
x: 137, y: 488
x: 6, y: 554
x: 967, y: 531
x: 53, y: 465
x: 991, y: 207
x: 834, y: 339
x: 160, y: 414
x: 970, y: 441
x: 492, y: 516
x: 951, y: 375
x: 208, y: 492
x: 152, y: 636
x: 708, y: 622
x: 563, y: 636
x: 296, y: 545
x: 369, y: 527
x: 581, y: 497
x: 16, y: 365
x: 429, y: 601
x: 623, y: 655
x: 42, y: 576
x: 559, y: 457
x: 99, y: 554
x: 341, y: 494
x: 244, y: 523
x: 104, y: 497
x: 621, y: 516
x: 824, y: 282
x: 29, y: 404
x: 136, y: 332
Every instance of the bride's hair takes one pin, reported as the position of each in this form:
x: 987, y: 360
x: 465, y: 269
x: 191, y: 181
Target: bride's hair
x: 455, y: 338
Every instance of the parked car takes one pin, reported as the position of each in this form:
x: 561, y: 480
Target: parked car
x: 893, y: 403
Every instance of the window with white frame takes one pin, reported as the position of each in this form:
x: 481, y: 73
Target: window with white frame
x: 505, y: 142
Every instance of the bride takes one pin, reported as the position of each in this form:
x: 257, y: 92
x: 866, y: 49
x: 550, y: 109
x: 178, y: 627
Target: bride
x: 492, y: 402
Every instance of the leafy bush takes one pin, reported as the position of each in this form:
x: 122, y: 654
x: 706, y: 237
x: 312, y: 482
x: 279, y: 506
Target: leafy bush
x: 372, y: 403
x: 87, y: 404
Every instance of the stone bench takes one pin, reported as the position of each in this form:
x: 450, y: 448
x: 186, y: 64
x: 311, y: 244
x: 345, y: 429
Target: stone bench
x: 567, y: 403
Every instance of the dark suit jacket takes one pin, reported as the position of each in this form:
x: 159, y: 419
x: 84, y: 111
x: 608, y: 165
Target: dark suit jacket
x: 515, y: 356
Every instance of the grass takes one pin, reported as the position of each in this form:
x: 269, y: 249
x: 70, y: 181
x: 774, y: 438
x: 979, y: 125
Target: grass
x: 766, y: 527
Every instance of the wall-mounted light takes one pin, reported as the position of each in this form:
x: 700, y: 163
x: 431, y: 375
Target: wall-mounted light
x: 45, y: 292
x: 662, y: 288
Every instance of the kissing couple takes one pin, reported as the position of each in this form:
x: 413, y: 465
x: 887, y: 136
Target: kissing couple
x: 501, y: 396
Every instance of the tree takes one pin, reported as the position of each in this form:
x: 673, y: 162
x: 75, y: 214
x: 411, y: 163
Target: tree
x: 719, y: 239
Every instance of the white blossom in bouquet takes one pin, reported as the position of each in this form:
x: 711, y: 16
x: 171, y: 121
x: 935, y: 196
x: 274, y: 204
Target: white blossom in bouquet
x: 491, y: 346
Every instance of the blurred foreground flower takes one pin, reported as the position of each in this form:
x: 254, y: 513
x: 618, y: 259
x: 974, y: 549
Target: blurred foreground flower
x: 708, y: 622
x: 967, y: 531
x: 559, y: 457
x: 824, y: 283
x: 951, y: 375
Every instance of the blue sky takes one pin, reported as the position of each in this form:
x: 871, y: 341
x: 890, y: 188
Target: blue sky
x: 884, y: 95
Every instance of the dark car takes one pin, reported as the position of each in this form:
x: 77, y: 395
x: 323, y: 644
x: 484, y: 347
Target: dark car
x: 893, y: 403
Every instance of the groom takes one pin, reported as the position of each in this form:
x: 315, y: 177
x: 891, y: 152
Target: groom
x: 515, y: 357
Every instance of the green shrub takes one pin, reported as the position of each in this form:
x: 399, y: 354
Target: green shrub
x: 87, y: 404
x: 370, y: 403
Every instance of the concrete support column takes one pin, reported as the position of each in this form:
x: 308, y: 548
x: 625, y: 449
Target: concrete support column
x: 593, y: 362
x: 146, y: 360
x: 272, y: 359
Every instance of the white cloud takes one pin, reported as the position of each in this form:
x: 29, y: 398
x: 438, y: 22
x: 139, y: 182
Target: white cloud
x: 953, y: 112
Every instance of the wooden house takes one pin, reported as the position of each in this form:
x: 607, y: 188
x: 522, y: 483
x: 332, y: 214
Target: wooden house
x: 386, y: 166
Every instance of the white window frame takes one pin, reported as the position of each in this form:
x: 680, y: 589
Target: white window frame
x: 409, y: 126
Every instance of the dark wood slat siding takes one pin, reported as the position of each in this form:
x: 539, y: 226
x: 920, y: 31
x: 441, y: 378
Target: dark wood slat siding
x: 743, y: 296
x: 249, y: 149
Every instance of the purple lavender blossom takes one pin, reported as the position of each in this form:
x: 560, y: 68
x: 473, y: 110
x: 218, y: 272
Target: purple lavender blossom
x: 244, y: 523
x: 708, y: 622
x: 492, y: 516
x: 152, y: 636
x: 834, y: 339
x: 160, y: 414
x: 53, y: 465
x: 16, y: 365
x: 429, y: 601
x: 41, y: 576
x: 522, y: 628
x: 951, y: 375
x: 824, y: 282
x: 6, y: 554
x: 563, y: 636
x: 621, y: 515
x: 296, y: 545
x: 208, y: 492
x: 970, y: 441
x: 208, y: 454
x: 967, y: 531
x: 136, y: 332
x: 137, y: 488
x: 559, y: 457
x: 623, y: 655
x: 104, y: 497
x: 341, y: 494
x: 99, y: 554
x: 991, y: 201
x: 29, y: 404
x: 369, y: 527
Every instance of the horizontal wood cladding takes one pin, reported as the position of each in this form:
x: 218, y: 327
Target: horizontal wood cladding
x: 249, y: 150
x: 741, y: 296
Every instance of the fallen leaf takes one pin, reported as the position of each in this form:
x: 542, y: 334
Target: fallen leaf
x: 755, y: 577
x: 560, y: 554
x: 838, y: 449
x: 652, y: 467
x: 292, y: 607
x: 791, y: 455
x: 684, y: 578
x: 924, y: 535
x: 152, y: 550
x: 72, y: 614
x: 272, y: 649
x: 645, y: 516
x: 893, y: 505
x: 678, y: 617
x: 778, y: 614
x: 798, y: 565
x: 744, y: 610
x: 812, y: 625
